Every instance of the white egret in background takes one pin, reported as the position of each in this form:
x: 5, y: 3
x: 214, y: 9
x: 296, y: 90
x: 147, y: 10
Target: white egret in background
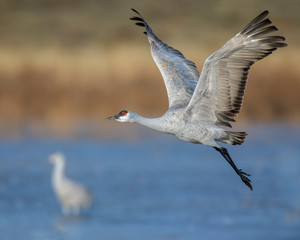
x: 72, y: 196
x: 202, y: 107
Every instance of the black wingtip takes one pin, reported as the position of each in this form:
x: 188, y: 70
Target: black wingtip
x: 135, y: 11
x: 140, y: 24
x: 136, y: 19
x: 264, y: 13
x: 140, y: 21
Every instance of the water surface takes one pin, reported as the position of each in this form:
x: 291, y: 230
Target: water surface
x: 157, y: 188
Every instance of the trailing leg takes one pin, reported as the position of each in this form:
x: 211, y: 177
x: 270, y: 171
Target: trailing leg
x: 239, y: 172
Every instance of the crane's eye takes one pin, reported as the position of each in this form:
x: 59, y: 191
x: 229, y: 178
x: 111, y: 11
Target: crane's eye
x: 123, y: 113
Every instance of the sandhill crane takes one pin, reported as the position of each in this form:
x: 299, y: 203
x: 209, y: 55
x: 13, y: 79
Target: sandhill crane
x: 72, y: 196
x: 201, y: 107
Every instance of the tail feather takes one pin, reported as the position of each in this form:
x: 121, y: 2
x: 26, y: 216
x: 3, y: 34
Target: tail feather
x: 237, y: 138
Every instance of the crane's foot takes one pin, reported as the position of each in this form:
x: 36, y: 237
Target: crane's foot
x: 246, y: 180
x: 242, y: 174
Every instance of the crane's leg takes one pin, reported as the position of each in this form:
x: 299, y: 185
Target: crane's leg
x: 239, y: 172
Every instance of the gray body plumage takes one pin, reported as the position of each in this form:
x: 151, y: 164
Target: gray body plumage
x: 202, y: 107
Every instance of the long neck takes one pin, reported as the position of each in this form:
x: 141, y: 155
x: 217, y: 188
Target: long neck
x: 158, y: 124
x: 59, y: 172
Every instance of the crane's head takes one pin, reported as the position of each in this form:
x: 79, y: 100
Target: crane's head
x: 123, y: 116
x: 57, y: 158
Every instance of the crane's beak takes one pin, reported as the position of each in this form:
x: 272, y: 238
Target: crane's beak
x: 113, y: 117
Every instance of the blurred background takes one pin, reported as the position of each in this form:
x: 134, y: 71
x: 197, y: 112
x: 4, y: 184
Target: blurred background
x: 66, y: 65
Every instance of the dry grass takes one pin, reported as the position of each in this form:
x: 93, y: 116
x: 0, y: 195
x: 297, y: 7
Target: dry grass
x: 67, y: 62
x: 63, y: 89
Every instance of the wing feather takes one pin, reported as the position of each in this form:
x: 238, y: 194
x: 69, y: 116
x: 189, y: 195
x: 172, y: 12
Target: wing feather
x: 180, y: 74
x: 219, y: 94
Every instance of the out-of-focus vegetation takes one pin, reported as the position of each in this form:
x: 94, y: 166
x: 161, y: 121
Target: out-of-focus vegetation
x: 64, y: 62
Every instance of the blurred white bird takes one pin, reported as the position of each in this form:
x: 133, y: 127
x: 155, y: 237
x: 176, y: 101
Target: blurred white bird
x: 72, y: 196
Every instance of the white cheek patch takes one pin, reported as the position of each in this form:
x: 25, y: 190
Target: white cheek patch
x: 121, y: 119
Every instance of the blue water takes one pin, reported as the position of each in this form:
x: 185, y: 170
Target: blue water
x: 156, y: 188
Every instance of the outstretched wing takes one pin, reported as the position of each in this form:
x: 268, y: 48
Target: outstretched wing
x: 180, y: 74
x: 220, y: 90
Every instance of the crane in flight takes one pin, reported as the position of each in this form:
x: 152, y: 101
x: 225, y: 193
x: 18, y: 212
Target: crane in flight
x: 202, y: 107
